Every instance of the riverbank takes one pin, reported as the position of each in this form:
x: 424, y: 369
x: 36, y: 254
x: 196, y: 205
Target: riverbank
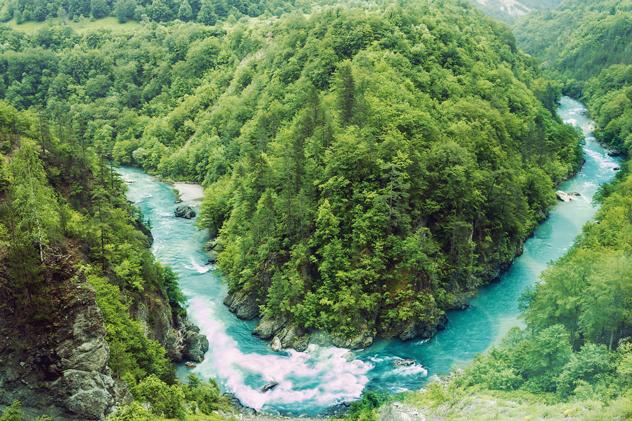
x: 189, y: 192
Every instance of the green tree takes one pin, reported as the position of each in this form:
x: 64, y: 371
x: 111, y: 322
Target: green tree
x: 346, y: 92
x: 185, y: 13
x: 33, y: 202
x: 125, y: 10
x: 99, y: 8
x: 206, y: 14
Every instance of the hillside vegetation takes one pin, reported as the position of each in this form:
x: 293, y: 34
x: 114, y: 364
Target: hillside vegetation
x: 574, y: 357
x: 365, y: 167
x: 588, y: 47
x: 88, y: 314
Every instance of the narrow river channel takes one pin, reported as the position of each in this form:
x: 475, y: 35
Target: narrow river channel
x: 311, y: 382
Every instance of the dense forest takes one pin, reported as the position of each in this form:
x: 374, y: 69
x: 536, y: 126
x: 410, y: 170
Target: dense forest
x: 204, y: 11
x: 574, y: 357
x: 365, y: 168
x: 587, y: 46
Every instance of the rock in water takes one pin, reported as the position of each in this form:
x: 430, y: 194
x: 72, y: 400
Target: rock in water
x: 403, y: 362
x: 563, y: 196
x: 269, y: 386
x: 195, y: 344
x: 184, y: 211
x: 276, y: 345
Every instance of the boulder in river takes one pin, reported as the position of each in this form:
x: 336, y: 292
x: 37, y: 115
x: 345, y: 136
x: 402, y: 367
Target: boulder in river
x: 403, y: 362
x: 615, y: 168
x: 363, y: 339
x: 563, y: 196
x: 269, y: 386
x: 276, y: 345
x: 195, y: 344
x: 615, y: 153
x: 184, y: 211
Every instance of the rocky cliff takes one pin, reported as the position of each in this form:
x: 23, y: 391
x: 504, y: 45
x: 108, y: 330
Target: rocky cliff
x: 58, y: 364
x: 54, y: 352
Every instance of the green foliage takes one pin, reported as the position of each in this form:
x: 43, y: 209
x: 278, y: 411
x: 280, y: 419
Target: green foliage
x: 588, y: 45
x: 364, y: 409
x: 12, y: 412
x: 133, y: 411
x: 363, y: 170
x: 205, y: 11
x: 132, y: 355
x: 164, y: 400
x: 34, y: 206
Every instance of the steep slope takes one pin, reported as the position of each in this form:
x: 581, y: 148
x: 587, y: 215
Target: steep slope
x: 574, y: 358
x: 367, y: 167
x: 74, y: 271
x: 381, y: 176
x: 588, y: 46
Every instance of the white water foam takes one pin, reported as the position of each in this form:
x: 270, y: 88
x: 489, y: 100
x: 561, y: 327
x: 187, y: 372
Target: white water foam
x: 340, y: 377
x: 197, y: 267
x: 404, y: 370
x: 602, y: 160
x: 411, y: 370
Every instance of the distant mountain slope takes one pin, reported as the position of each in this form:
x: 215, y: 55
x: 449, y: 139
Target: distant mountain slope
x: 509, y: 10
x: 588, y: 46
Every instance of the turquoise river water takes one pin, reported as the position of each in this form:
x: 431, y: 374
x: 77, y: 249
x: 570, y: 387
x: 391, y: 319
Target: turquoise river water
x: 311, y: 382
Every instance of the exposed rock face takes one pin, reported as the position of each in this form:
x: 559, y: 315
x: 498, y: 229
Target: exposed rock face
x: 243, y: 303
x: 400, y: 412
x: 363, y: 339
x: 58, y: 365
x: 195, y: 344
x: 282, y: 333
x: 415, y: 330
x: 181, y: 338
x: 184, y: 211
x: 276, y: 344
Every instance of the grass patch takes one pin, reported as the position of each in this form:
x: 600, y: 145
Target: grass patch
x: 80, y: 26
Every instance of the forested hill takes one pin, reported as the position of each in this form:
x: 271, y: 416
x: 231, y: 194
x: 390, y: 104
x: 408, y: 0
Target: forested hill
x: 203, y: 11
x: 365, y: 167
x: 509, y: 10
x: 574, y: 358
x: 588, y: 47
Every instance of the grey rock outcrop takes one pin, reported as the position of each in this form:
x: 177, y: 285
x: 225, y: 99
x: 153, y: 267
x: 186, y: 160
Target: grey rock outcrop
x: 184, y: 211
x: 195, y: 344
x: 397, y: 411
x: 59, y: 368
x: 243, y: 304
x: 181, y: 338
x: 415, y: 329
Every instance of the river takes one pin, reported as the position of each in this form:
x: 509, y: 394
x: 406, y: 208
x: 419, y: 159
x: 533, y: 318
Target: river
x: 311, y: 382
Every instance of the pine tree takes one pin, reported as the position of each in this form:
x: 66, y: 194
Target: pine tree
x: 185, y: 13
x: 346, y: 93
x: 33, y: 201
